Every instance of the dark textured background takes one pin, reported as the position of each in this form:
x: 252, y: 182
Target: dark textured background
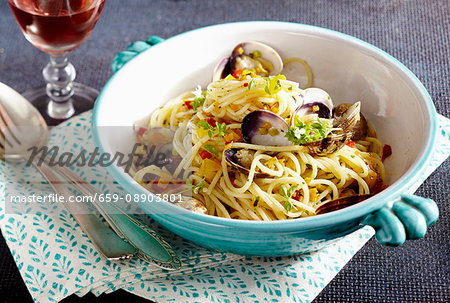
x: 415, y: 32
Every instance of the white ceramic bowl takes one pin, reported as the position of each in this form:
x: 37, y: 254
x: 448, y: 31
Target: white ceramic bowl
x: 350, y: 70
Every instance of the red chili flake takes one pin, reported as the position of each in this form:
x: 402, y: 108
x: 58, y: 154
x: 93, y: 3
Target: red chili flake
x: 211, y: 121
x: 387, y: 151
x: 237, y: 73
x: 204, y: 154
x: 351, y: 144
x: 297, y: 195
x: 141, y: 131
x: 245, y: 84
x: 188, y: 104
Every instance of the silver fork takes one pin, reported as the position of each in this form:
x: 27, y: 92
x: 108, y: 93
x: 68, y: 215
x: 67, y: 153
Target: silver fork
x: 127, y: 237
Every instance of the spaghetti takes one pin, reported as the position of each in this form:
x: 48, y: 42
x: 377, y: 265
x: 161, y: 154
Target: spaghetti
x: 278, y: 182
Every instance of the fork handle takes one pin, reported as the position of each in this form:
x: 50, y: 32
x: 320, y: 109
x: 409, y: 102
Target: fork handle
x: 150, y: 246
x: 105, y: 240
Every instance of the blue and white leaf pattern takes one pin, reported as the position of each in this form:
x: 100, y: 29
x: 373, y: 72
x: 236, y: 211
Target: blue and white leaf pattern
x: 56, y: 259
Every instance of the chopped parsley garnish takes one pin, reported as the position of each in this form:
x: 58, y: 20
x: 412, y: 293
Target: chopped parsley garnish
x: 303, y: 133
x: 204, y: 124
x: 198, y: 101
x: 287, y: 194
x: 196, y: 188
x: 220, y: 129
x: 211, y: 149
x: 251, y: 84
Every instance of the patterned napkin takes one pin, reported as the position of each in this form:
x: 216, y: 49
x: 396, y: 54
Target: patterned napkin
x: 56, y: 259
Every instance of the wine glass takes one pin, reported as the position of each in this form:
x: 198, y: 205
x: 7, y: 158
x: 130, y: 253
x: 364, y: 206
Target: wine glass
x: 58, y: 27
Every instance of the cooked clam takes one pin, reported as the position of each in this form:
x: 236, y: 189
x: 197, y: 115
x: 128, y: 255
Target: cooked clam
x: 222, y: 69
x: 265, y: 128
x: 241, y: 159
x: 251, y: 55
x: 361, y: 128
x: 315, y: 101
x: 262, y: 128
x: 342, y: 133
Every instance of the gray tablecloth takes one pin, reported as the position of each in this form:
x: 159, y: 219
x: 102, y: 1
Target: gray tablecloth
x: 415, y: 32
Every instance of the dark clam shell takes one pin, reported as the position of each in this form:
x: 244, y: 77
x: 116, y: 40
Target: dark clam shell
x: 315, y: 101
x: 241, y: 58
x: 222, y: 69
x: 323, y: 111
x: 265, y: 128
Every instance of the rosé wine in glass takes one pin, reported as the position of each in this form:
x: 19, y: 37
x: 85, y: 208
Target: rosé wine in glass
x: 58, y: 27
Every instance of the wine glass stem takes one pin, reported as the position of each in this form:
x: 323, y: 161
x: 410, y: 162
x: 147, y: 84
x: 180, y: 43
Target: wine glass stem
x: 59, y: 74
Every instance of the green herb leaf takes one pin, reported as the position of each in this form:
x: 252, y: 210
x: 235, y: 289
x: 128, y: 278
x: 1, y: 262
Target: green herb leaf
x: 273, y: 84
x: 199, y: 186
x: 251, y: 84
x: 287, y: 194
x: 303, y: 133
x: 198, y: 101
x: 288, y: 205
x: 221, y: 129
x: 211, y: 149
x: 204, y: 124
x: 291, y: 190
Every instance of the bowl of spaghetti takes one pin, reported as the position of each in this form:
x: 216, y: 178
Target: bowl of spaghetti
x: 299, y: 137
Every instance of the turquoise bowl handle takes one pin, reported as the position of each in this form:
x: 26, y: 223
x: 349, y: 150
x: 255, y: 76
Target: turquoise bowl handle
x: 132, y: 51
x: 406, y: 219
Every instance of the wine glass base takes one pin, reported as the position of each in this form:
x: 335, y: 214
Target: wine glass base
x: 83, y: 100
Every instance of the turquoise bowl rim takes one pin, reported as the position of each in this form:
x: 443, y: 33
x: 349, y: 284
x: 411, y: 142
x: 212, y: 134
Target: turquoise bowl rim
x: 392, y: 193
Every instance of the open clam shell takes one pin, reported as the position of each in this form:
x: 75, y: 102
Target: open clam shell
x: 233, y: 158
x: 338, y: 138
x: 265, y: 128
x: 250, y: 55
x: 222, y: 69
x: 315, y: 101
x: 361, y: 128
